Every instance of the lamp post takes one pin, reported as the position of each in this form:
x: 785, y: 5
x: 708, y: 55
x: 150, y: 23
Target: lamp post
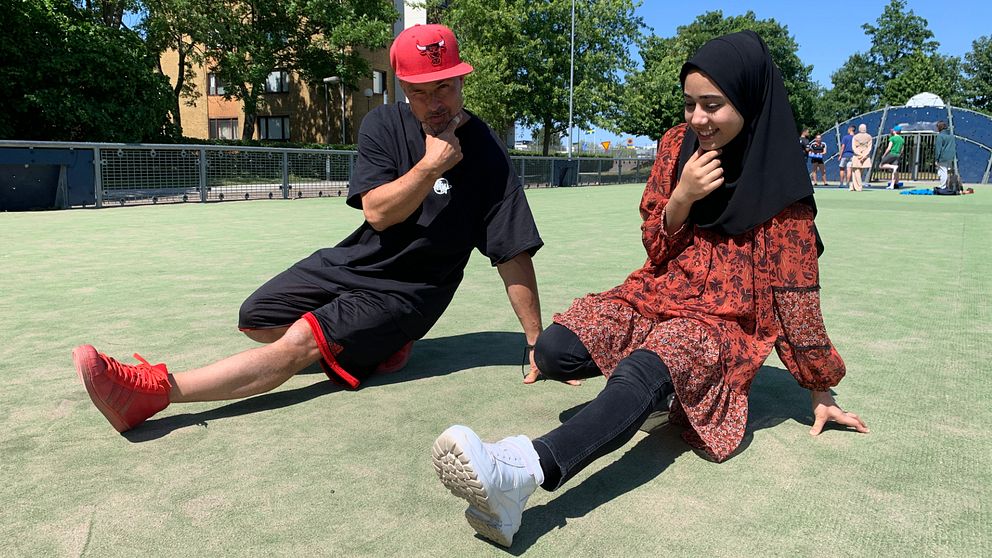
x: 340, y: 82
x: 571, y: 81
x: 368, y: 99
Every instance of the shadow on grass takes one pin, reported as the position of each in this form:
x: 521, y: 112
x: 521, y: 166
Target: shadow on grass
x: 440, y: 356
x: 431, y: 357
x: 775, y: 398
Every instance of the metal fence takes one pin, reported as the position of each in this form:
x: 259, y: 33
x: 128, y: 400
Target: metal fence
x: 125, y: 174
x: 153, y: 174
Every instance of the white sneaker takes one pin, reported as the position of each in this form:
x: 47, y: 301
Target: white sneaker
x: 496, y: 479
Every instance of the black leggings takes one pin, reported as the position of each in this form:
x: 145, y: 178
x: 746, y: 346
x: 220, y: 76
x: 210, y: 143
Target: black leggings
x: 639, y: 383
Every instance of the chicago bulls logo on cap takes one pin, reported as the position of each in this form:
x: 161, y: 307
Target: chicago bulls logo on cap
x: 433, y: 51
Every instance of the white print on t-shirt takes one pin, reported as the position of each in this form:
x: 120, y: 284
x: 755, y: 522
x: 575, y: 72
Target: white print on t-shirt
x: 441, y: 186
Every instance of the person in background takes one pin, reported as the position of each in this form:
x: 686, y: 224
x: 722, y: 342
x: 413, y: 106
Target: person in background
x: 845, y: 150
x: 890, y: 159
x: 804, y: 144
x: 817, y: 151
x: 945, y: 151
x: 861, y: 145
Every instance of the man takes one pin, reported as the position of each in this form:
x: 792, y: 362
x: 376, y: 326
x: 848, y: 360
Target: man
x: 817, y: 150
x: 804, y: 142
x: 890, y: 159
x: 846, y: 150
x: 945, y: 151
x: 434, y: 183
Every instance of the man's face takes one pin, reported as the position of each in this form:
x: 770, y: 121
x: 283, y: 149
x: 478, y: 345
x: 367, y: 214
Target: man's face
x: 818, y: 138
x: 435, y: 103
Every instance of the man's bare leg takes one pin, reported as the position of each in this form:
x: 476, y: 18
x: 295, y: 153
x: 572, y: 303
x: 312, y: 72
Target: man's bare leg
x: 251, y: 372
x: 128, y: 394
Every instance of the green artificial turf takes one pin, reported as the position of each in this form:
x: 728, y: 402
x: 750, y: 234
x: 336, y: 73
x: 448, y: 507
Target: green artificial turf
x: 311, y: 470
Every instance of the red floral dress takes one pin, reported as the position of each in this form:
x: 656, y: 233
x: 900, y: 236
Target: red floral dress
x: 712, y: 307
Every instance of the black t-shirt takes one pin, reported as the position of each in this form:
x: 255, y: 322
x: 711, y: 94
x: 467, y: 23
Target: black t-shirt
x: 816, y: 150
x: 478, y: 204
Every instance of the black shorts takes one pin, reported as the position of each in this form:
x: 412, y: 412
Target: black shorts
x: 816, y: 161
x: 889, y: 160
x: 356, y: 330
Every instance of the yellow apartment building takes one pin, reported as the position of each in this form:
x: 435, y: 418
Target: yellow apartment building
x: 292, y: 109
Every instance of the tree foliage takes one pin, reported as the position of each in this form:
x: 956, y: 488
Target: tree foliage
x: 978, y: 67
x: 901, y: 62
x: 919, y: 72
x: 653, y: 96
x: 249, y: 39
x: 521, y: 51
x: 851, y: 94
x: 173, y: 25
x: 899, y: 33
x: 79, y: 79
x: 109, y: 12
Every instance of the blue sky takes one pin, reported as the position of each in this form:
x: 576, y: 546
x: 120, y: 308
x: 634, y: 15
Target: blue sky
x: 827, y: 32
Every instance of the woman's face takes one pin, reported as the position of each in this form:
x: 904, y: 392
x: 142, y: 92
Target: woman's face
x: 709, y: 112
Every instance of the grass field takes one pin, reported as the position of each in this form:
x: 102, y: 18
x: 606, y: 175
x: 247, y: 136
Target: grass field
x: 311, y: 470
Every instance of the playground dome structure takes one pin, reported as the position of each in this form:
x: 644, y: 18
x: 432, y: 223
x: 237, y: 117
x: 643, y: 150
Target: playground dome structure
x: 918, y: 121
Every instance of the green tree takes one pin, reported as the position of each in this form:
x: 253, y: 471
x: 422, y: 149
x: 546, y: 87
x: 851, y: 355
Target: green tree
x: 898, y: 33
x: 249, y: 39
x: 173, y: 25
x: 901, y: 45
x: 521, y: 53
x: 78, y: 79
x: 653, y: 97
x: 978, y: 66
x: 109, y: 12
x: 919, y: 72
x: 851, y: 94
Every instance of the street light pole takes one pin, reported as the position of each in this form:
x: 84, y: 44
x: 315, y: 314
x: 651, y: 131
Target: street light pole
x: 340, y: 82
x: 571, y: 82
x: 327, y: 115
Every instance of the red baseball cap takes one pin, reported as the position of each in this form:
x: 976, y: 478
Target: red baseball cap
x: 424, y: 53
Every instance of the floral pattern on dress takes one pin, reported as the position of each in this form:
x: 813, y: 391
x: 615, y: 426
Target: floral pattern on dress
x: 713, y: 307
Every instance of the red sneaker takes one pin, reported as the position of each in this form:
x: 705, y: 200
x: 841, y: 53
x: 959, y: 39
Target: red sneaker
x: 126, y: 394
x: 396, y: 362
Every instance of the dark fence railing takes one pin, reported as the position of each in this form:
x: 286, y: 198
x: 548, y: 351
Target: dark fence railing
x: 100, y: 174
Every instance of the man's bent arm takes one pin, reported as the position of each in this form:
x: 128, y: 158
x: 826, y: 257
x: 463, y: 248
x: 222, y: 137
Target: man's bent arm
x: 392, y: 202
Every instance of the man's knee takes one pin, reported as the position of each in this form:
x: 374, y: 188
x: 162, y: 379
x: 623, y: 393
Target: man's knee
x: 257, y: 324
x: 269, y: 335
x: 299, y: 339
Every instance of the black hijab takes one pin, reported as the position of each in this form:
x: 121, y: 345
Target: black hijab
x: 763, y: 172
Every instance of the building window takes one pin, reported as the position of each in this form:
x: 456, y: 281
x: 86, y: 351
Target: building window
x: 378, y: 82
x: 273, y: 127
x: 214, y: 85
x: 277, y: 82
x: 223, y: 128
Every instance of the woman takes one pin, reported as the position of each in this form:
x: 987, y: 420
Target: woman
x: 861, y: 144
x: 731, y: 273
